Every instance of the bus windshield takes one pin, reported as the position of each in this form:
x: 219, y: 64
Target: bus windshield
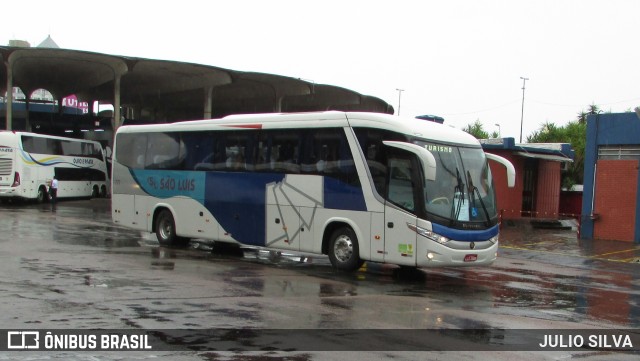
x: 463, y: 189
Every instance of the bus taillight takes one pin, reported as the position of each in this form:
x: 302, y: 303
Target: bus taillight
x: 16, y: 180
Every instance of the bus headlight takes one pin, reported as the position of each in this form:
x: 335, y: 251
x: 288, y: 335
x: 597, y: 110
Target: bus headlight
x: 494, y: 239
x: 428, y: 234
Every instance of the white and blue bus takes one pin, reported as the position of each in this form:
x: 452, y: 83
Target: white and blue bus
x: 354, y: 186
x: 29, y: 161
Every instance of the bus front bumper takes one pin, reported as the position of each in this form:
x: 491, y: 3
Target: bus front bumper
x: 433, y: 254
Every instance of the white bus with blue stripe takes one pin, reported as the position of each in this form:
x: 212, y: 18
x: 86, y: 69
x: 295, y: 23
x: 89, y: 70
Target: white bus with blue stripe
x: 354, y: 186
x: 29, y: 161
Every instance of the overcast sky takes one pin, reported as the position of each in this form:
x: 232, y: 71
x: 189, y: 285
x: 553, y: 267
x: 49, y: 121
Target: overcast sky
x: 459, y: 59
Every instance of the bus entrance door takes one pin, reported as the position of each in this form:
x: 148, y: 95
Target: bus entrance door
x: 400, y: 240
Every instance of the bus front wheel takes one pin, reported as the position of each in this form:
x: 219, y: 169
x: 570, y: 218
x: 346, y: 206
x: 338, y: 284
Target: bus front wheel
x: 344, y: 252
x: 165, y: 228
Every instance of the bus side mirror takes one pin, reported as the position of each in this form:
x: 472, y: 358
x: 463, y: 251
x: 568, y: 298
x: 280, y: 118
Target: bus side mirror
x: 511, y: 171
x: 425, y: 156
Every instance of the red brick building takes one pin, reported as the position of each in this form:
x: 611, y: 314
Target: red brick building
x: 611, y: 205
x: 538, y: 177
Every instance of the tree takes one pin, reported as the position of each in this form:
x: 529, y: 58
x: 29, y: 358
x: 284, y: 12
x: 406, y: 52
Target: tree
x: 477, y: 130
x: 575, y: 133
x: 591, y: 109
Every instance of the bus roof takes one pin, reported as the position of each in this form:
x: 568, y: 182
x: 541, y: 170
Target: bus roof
x: 20, y: 133
x: 407, y: 125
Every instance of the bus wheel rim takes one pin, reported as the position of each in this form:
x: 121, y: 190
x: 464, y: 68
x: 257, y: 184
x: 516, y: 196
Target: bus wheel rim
x: 343, y: 248
x: 165, y: 229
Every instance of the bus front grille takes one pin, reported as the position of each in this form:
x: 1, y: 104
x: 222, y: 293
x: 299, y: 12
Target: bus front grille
x: 6, y: 166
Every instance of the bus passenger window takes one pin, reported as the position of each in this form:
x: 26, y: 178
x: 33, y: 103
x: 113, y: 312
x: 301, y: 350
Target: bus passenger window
x: 236, y: 154
x: 198, y: 150
x: 131, y: 149
x: 163, y: 151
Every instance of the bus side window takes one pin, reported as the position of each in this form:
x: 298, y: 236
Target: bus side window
x: 327, y: 153
x: 131, y: 149
x: 236, y: 151
x: 285, y: 152
x: 375, y: 153
x: 163, y: 151
x: 71, y: 148
x: 263, y: 151
x: 401, y: 187
x: 198, y: 150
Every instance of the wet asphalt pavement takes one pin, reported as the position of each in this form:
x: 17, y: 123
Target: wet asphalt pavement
x: 71, y: 268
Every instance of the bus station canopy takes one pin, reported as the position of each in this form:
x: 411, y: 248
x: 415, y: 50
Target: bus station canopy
x: 162, y: 91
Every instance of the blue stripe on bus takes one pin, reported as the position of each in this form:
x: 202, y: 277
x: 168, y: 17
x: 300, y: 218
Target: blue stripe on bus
x: 238, y: 200
x: 465, y: 235
x: 339, y: 195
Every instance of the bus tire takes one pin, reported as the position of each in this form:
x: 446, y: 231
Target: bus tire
x: 166, y: 228
x: 344, y: 252
x: 94, y: 192
x: 103, y: 191
x: 42, y: 194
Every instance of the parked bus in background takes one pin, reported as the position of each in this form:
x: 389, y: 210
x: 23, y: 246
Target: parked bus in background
x: 29, y: 161
x: 354, y: 186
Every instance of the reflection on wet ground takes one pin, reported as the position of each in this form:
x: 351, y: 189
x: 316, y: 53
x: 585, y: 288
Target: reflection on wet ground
x: 81, y: 270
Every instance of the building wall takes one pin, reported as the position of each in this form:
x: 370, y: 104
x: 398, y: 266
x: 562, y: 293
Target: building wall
x: 610, y: 130
x: 615, y: 199
x: 571, y: 203
x: 509, y: 199
x: 548, y: 189
x: 547, y: 194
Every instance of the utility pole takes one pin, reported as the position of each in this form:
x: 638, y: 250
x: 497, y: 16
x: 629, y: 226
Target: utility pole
x: 524, y: 81
x: 399, y: 96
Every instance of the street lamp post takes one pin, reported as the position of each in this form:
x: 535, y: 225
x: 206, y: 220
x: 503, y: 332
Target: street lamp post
x: 399, y: 96
x: 524, y: 81
x: 499, y: 131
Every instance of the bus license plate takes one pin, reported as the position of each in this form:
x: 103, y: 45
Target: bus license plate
x: 471, y: 258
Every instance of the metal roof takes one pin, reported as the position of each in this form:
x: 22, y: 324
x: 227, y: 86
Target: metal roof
x: 561, y: 152
x: 170, y: 90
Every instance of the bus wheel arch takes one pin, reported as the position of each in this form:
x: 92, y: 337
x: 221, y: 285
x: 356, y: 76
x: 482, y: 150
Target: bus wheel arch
x: 164, y: 226
x: 95, y: 191
x: 340, y: 242
x: 42, y: 194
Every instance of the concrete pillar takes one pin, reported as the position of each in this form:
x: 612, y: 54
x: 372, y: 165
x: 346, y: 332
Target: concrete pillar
x: 9, y: 111
x: 208, y: 102
x: 27, y: 121
x: 117, y: 122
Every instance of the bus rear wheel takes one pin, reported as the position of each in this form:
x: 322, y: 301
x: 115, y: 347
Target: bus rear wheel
x: 166, y: 228
x: 42, y: 194
x: 344, y: 252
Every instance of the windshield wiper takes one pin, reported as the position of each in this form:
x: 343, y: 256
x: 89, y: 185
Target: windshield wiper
x: 458, y: 194
x: 473, y: 191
